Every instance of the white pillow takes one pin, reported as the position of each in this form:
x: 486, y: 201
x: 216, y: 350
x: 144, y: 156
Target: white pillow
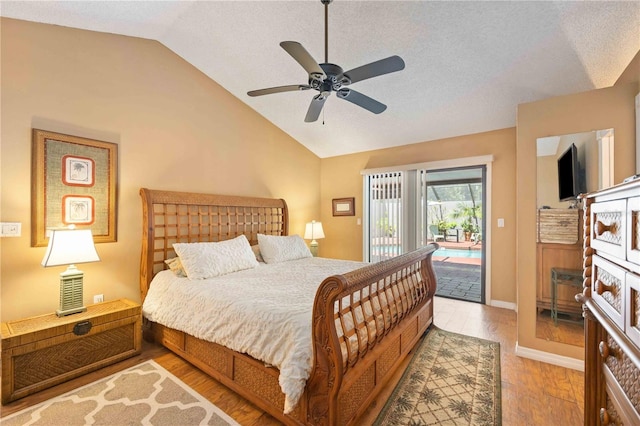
x: 207, y: 260
x: 275, y: 249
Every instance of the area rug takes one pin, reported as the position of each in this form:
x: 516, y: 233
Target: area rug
x: 146, y: 394
x: 451, y: 380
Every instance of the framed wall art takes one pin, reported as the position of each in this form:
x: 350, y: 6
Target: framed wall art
x: 344, y: 206
x: 73, y: 182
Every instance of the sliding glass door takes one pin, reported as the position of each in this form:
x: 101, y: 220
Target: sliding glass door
x: 408, y: 209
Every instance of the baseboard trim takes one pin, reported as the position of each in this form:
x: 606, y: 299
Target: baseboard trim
x: 505, y: 305
x: 549, y: 358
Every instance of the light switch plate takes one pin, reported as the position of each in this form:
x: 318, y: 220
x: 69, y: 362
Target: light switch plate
x: 10, y: 229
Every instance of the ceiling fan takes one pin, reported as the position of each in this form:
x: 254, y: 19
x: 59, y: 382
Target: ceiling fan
x: 327, y: 77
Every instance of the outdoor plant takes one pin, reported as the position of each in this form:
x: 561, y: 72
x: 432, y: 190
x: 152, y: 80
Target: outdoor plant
x: 470, y: 215
x: 443, y: 225
x: 468, y: 226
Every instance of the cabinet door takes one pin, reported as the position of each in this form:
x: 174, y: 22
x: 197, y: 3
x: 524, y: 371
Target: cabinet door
x: 564, y: 256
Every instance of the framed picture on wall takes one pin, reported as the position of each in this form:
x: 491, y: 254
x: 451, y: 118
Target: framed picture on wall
x: 344, y: 206
x: 73, y: 182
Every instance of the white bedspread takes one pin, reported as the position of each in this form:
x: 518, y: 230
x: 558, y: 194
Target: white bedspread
x: 264, y: 312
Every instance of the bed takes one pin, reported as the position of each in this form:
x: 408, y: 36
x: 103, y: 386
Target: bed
x: 363, y: 322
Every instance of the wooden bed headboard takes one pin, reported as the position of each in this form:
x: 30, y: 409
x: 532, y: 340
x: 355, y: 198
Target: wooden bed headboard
x: 184, y: 217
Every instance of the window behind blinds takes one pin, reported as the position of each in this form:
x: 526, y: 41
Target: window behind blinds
x: 384, y: 228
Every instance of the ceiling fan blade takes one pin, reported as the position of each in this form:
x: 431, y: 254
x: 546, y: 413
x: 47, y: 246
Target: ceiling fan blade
x: 316, y: 106
x: 361, y: 100
x: 374, y: 69
x: 303, y: 57
x: 279, y: 89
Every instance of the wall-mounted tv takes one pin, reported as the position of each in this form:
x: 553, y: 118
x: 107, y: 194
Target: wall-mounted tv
x: 570, y: 176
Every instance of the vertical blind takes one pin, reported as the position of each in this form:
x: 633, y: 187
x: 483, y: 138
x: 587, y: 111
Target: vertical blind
x: 385, y: 215
x: 423, y: 206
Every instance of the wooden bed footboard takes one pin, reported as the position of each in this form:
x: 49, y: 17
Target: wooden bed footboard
x: 364, y: 322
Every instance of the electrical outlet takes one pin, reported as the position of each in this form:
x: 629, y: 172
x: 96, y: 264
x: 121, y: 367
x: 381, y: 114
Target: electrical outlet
x: 98, y: 298
x: 10, y: 229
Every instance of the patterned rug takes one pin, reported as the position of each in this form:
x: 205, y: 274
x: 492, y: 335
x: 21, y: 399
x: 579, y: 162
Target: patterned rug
x: 451, y: 380
x: 146, y: 394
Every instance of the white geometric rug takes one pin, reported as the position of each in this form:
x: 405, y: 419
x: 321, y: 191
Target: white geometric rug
x: 145, y: 394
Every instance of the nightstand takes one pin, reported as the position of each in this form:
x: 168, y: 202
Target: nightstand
x: 43, y: 351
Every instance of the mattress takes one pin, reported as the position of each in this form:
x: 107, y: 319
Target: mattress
x: 265, y: 312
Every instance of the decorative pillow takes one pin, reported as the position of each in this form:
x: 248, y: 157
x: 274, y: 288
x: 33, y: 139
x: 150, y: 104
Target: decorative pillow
x: 256, y: 251
x: 175, y: 266
x: 207, y: 260
x: 275, y: 249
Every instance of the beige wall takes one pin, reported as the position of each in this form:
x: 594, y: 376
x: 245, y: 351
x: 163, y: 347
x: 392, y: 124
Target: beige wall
x: 176, y: 129
x: 341, y: 178
x: 597, y: 109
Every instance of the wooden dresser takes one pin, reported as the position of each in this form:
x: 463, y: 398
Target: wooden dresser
x: 611, y: 298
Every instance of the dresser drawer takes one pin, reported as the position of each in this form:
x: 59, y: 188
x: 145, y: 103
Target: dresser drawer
x: 622, y: 380
x: 633, y: 230
x: 608, y: 288
x: 616, y: 412
x: 632, y: 308
x: 608, y: 227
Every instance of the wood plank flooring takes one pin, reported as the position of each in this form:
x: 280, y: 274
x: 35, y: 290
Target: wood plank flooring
x: 533, y: 393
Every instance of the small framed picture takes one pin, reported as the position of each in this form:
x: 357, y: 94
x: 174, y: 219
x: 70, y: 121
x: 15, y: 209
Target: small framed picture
x: 78, y: 210
x: 78, y: 171
x: 344, y: 206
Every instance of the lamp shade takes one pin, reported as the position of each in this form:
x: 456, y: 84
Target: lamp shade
x: 313, y: 231
x: 69, y: 246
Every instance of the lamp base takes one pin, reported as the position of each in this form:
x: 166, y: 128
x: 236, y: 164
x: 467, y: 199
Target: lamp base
x: 71, y: 292
x: 313, y: 247
x: 71, y: 311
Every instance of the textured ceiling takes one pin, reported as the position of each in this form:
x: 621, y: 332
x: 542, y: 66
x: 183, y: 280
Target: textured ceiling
x: 468, y: 64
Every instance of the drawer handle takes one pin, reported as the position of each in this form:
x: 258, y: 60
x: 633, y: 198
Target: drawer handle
x: 604, y: 416
x: 601, y: 228
x: 603, y: 288
x: 605, y: 350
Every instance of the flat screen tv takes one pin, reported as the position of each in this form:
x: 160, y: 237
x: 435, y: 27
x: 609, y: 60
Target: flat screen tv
x: 570, y: 182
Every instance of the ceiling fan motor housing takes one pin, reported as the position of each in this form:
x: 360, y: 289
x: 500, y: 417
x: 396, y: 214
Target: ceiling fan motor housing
x: 334, y: 78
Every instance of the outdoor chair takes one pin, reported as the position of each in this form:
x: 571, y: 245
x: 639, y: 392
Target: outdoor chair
x: 435, y: 236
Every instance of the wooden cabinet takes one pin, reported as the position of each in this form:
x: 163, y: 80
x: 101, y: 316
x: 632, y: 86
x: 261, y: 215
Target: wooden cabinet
x: 560, y: 256
x: 611, y: 296
x: 42, y: 351
x: 559, y: 246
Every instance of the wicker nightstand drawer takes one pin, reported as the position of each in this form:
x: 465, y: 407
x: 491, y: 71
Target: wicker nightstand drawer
x: 43, y: 351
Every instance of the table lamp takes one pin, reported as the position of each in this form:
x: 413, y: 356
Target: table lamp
x: 313, y: 231
x: 68, y: 247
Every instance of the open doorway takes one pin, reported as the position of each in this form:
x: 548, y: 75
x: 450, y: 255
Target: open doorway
x: 455, y: 218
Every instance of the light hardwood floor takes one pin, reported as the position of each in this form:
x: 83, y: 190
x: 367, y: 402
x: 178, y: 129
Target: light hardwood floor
x: 533, y: 393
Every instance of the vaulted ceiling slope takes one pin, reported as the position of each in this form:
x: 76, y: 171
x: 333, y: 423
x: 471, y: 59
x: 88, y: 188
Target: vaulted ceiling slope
x: 468, y: 64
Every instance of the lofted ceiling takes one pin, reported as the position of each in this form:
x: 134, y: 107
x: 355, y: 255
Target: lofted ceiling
x: 468, y: 64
